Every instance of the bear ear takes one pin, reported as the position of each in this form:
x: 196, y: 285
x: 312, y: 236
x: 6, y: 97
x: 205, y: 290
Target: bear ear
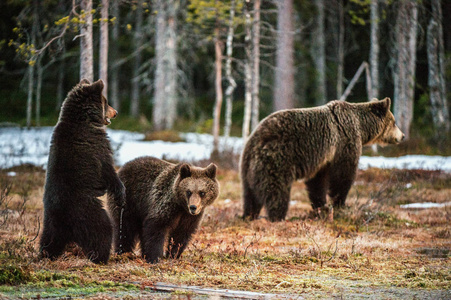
x: 84, y: 81
x: 185, y: 171
x: 387, y: 102
x: 210, y: 171
x: 382, y: 107
x: 98, y: 86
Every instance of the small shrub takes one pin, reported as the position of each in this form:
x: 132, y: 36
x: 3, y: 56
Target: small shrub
x: 14, y: 275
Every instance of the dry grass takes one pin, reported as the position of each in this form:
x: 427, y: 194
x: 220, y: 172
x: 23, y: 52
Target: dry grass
x: 368, y: 245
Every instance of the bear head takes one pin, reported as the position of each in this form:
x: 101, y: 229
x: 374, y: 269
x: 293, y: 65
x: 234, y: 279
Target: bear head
x: 196, y: 187
x: 388, y: 132
x: 85, y: 103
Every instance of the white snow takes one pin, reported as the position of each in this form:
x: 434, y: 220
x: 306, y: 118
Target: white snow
x: 425, y: 205
x: 19, y: 146
x: 407, y: 162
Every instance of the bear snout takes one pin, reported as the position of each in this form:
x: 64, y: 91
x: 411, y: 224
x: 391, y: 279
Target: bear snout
x: 111, y: 113
x: 192, y: 209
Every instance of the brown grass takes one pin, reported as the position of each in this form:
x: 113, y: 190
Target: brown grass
x: 370, y: 243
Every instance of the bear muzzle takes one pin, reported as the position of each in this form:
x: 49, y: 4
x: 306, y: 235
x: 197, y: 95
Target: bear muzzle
x: 110, y: 114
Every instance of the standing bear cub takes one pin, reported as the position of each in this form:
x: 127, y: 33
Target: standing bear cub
x: 321, y: 145
x: 164, y: 204
x: 80, y: 169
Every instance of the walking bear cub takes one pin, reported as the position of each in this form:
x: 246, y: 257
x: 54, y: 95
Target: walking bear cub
x: 80, y: 169
x: 321, y: 145
x: 165, y: 203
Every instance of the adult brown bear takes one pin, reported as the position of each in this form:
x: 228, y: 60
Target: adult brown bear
x: 80, y: 169
x: 321, y: 145
x: 165, y: 204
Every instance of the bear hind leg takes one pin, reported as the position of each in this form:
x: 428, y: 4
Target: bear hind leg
x: 251, y: 205
x: 341, y: 180
x: 95, y: 237
x: 277, y: 198
x: 125, y: 236
x: 317, y: 188
x: 52, y: 243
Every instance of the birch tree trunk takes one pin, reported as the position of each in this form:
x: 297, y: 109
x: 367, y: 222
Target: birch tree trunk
x: 218, y: 90
x: 256, y: 65
x: 159, y: 83
x: 247, y: 76
x: 341, y: 50
x: 374, y: 49
x: 436, y: 79
x: 404, y: 73
x: 228, y: 69
x: 114, y: 50
x: 137, y: 42
x: 103, y: 54
x: 60, y: 86
x: 284, y: 75
x: 30, y: 93
x: 86, y: 47
x: 39, y: 70
x: 165, y: 91
x: 319, y: 54
x: 171, y: 64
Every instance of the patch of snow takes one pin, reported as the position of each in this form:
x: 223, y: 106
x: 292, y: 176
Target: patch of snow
x: 19, y: 146
x: 423, y: 162
x: 408, y: 185
x: 424, y: 205
x: 227, y: 201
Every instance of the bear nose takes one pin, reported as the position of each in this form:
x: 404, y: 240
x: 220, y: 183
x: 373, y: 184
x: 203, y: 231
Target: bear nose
x: 192, y: 208
x: 403, y: 137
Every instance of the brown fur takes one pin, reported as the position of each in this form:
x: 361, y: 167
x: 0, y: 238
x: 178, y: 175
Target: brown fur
x: 165, y: 204
x: 80, y: 169
x: 321, y: 145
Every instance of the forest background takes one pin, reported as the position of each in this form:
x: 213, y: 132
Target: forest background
x: 221, y: 66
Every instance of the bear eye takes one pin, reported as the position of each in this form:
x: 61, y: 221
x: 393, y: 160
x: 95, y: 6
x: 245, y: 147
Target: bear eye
x: 188, y: 194
x: 201, y: 194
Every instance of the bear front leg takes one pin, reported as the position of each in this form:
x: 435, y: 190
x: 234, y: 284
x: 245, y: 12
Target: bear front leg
x: 115, y: 187
x: 152, y: 240
x: 181, y: 235
x: 340, y: 182
x: 317, y: 188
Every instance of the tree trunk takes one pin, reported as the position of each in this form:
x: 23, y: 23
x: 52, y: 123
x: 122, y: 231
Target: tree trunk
x: 137, y: 43
x: 159, y: 83
x: 171, y: 64
x: 404, y: 74
x: 60, y: 86
x: 228, y: 70
x: 374, y: 49
x: 39, y: 70
x: 256, y: 65
x: 218, y: 88
x: 247, y: 75
x: 30, y: 93
x: 114, y: 50
x: 319, y: 54
x: 341, y: 51
x: 86, y: 47
x: 437, y: 92
x: 165, y: 92
x: 103, y: 55
x: 284, y: 77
